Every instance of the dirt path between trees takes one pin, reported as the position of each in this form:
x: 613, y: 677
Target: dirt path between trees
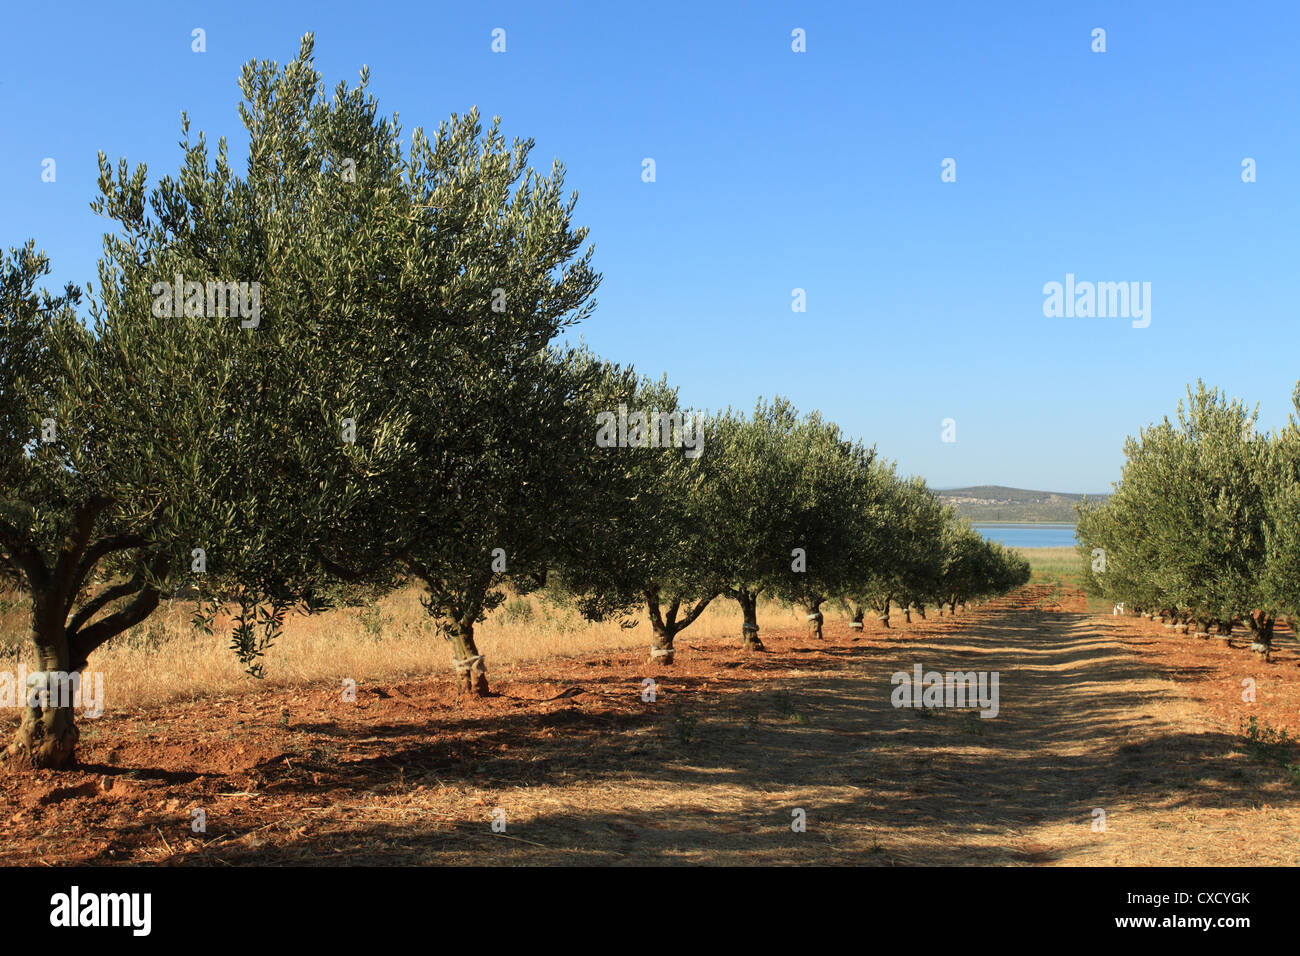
x: 1095, y: 714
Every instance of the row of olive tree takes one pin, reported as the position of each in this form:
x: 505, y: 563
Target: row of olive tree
x: 337, y: 371
x: 1203, y: 528
x: 777, y: 505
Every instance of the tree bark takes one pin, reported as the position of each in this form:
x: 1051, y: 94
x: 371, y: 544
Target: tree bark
x: 665, y: 628
x: 882, y: 610
x: 47, y: 736
x: 62, y: 635
x: 661, y: 644
x: 815, y: 619
x: 471, y: 670
x: 907, y: 614
x: 749, y: 629
x: 1261, y: 626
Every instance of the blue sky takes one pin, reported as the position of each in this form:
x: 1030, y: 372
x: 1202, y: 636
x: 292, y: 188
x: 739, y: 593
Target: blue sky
x: 821, y: 170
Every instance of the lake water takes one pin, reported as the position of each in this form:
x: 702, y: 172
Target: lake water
x: 1029, y: 535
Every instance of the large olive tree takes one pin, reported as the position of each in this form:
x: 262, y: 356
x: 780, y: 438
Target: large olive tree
x: 242, y: 391
x: 486, y: 423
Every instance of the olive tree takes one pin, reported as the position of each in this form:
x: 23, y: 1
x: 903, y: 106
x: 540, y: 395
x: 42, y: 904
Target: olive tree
x: 410, y: 291
x: 751, y: 505
x: 648, y: 544
x: 486, y: 422
x: 1281, y: 578
x: 133, y: 466
x: 908, y: 570
x: 514, y: 499
x: 1187, y: 531
x: 839, y: 518
x: 967, y: 566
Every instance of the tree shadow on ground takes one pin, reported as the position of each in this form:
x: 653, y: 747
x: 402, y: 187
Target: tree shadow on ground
x: 716, y: 767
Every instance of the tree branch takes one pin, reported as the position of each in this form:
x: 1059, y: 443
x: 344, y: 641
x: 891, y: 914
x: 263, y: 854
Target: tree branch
x: 696, y: 611
x: 25, y: 556
x: 105, y: 597
x: 652, y: 603
x: 82, y: 643
x: 74, y: 546
x: 96, y: 553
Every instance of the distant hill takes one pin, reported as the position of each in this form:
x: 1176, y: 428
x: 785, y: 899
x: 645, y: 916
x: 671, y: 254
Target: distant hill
x: 999, y: 503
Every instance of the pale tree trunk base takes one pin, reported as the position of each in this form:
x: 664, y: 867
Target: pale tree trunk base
x: 45, y: 740
x: 661, y: 650
x: 471, y: 669
x: 815, y: 621
x: 1262, y: 629
x: 471, y: 676
x: 856, y: 624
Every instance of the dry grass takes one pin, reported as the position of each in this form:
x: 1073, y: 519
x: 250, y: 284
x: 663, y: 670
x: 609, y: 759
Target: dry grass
x: 165, y: 659
x: 1095, y: 714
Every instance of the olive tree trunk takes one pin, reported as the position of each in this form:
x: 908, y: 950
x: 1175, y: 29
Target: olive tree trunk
x: 748, y: 601
x: 665, y: 627
x: 47, y: 736
x: 815, y: 619
x: 471, y: 669
x: 1261, y: 628
x: 68, y: 624
x: 882, y: 612
x: 661, y: 643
